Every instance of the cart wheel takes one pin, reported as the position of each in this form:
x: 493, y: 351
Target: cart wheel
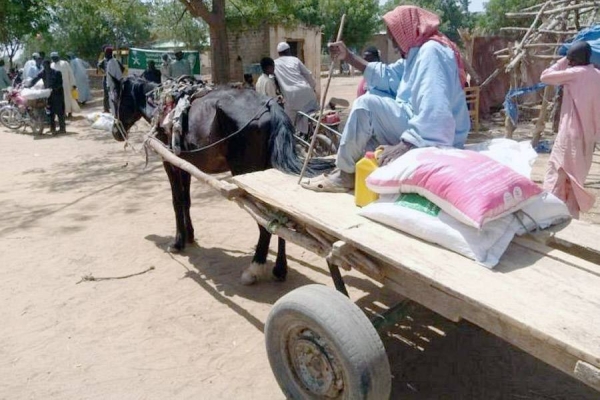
x: 321, y: 345
x: 10, y: 117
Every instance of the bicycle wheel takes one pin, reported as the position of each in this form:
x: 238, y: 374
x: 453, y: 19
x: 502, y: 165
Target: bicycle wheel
x: 11, y: 117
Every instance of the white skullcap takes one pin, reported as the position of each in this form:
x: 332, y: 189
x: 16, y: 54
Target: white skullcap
x: 282, y: 46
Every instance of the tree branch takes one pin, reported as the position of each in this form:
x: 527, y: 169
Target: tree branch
x: 198, y: 9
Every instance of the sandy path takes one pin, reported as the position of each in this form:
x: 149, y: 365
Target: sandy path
x: 77, y: 204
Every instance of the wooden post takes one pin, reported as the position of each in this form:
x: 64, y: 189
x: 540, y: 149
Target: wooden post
x: 540, y: 125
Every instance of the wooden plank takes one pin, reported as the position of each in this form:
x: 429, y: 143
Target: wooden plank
x: 578, y: 238
x: 588, y: 373
x: 541, y: 304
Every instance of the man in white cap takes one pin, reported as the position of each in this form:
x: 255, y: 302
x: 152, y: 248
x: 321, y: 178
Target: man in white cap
x: 297, y: 86
x: 68, y: 81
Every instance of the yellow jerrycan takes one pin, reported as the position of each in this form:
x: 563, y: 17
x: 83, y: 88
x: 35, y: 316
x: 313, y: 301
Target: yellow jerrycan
x: 364, y: 167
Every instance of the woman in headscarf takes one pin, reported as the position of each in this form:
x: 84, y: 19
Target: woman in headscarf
x: 416, y: 102
x: 579, y: 128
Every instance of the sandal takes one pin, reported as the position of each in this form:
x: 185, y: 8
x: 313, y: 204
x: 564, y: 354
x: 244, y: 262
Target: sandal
x: 324, y: 184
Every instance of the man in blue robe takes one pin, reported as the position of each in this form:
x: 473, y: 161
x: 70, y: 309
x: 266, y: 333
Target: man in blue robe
x: 418, y: 101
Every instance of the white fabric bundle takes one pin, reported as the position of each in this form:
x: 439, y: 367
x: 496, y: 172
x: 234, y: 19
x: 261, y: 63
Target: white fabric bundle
x: 103, y: 122
x: 34, y: 94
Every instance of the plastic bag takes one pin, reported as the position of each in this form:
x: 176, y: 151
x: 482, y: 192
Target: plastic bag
x: 104, y: 122
x: 34, y: 94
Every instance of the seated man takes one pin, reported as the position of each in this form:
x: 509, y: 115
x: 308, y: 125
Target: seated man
x: 419, y: 100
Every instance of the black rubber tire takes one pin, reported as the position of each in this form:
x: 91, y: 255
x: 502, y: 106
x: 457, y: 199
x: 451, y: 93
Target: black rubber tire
x: 8, y: 120
x: 346, y: 339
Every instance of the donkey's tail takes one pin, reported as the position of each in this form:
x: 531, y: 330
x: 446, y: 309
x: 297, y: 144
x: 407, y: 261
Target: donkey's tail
x: 284, y: 156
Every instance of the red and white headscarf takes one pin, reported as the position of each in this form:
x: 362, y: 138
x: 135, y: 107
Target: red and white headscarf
x: 412, y: 26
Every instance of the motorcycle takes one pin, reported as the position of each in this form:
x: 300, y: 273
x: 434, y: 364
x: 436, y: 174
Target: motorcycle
x: 21, y: 111
x: 328, y: 138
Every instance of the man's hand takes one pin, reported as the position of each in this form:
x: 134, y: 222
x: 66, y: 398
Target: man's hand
x: 390, y: 153
x: 338, y: 50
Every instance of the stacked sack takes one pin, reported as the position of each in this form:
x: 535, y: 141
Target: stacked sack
x: 469, y: 201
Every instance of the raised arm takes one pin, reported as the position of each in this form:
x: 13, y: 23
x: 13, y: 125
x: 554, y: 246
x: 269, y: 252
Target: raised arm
x: 559, y: 73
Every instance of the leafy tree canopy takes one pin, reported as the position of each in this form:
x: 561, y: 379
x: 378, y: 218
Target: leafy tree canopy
x: 172, y: 22
x: 494, y: 17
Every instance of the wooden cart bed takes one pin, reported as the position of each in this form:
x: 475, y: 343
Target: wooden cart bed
x: 543, y: 300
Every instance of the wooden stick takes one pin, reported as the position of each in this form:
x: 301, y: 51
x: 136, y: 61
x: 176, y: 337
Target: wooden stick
x: 323, y: 101
x: 227, y: 189
x: 554, y: 3
x: 549, y: 12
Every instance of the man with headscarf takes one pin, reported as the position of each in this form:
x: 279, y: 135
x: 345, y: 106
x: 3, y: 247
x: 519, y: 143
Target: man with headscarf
x: 56, y: 102
x: 297, y: 86
x: 579, y: 128
x: 32, y: 67
x: 371, y: 54
x: 82, y: 80
x: 422, y: 102
x: 114, y: 73
x: 180, y: 67
x: 68, y: 81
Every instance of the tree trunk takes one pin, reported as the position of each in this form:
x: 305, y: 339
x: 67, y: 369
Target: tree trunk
x: 219, y: 46
x: 220, y: 53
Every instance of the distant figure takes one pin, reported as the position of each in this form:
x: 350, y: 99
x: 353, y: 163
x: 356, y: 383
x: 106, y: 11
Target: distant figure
x: 180, y: 67
x: 266, y: 81
x: 297, y: 86
x: 56, y: 102
x: 371, y: 54
x: 579, y: 128
x: 164, y: 68
x: 68, y: 80
x: 151, y: 74
x: 82, y: 80
x: 4, y: 79
x: 248, y: 82
x: 114, y: 73
x: 102, y: 67
x: 32, y: 67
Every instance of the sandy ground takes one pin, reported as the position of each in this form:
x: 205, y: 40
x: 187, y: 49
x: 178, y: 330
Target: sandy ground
x: 78, y: 205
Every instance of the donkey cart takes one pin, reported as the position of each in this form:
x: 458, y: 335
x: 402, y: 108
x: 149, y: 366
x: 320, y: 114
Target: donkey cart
x: 543, y: 297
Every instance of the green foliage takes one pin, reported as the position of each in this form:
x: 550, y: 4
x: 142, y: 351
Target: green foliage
x: 494, y: 17
x: 84, y: 26
x: 18, y: 18
x: 362, y: 20
x: 172, y: 22
x: 454, y: 14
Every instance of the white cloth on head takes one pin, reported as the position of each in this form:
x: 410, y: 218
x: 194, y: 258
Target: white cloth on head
x: 282, y: 46
x: 298, y: 88
x: 68, y: 79
x: 82, y: 80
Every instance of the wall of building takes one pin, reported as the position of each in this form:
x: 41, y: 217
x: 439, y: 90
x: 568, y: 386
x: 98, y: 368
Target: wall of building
x: 246, y: 47
x: 309, y: 39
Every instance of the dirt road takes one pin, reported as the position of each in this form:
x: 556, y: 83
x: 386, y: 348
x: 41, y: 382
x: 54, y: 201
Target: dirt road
x: 77, y: 209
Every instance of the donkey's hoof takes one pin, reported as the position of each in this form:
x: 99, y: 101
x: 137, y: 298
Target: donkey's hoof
x: 254, y: 273
x: 175, y: 248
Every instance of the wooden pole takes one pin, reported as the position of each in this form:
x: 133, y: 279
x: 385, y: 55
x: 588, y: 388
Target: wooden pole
x: 323, y: 101
x: 227, y: 189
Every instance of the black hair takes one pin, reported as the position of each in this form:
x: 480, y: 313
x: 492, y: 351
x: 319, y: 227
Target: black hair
x: 579, y: 53
x: 266, y: 62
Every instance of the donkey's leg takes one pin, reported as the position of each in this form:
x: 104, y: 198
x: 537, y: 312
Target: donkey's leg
x: 280, y: 270
x: 258, y: 269
x: 177, y: 194
x: 189, y: 227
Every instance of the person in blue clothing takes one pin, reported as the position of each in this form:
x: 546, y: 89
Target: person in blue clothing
x: 418, y: 101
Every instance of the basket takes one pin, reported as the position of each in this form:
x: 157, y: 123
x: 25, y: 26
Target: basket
x: 37, y: 103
